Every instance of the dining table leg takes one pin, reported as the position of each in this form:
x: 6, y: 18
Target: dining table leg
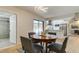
x: 46, y: 47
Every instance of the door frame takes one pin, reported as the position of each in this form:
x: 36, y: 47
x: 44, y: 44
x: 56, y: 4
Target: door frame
x: 8, y: 15
x: 15, y: 28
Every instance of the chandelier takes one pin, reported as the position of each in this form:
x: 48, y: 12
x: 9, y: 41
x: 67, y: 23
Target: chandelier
x: 41, y: 8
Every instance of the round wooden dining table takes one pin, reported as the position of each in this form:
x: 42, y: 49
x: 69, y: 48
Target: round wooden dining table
x: 45, y: 39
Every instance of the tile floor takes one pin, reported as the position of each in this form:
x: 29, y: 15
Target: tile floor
x: 5, y: 43
x: 72, y: 46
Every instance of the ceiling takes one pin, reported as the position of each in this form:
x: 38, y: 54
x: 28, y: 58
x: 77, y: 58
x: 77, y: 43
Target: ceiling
x: 53, y: 11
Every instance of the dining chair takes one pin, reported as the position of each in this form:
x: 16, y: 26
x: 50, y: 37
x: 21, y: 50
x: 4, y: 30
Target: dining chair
x: 31, y: 34
x: 51, y: 33
x: 58, y: 48
x: 30, y: 47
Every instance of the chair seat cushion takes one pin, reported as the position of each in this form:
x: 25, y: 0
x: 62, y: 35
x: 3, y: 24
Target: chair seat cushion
x: 55, y: 46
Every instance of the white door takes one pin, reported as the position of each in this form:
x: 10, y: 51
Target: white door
x: 13, y: 28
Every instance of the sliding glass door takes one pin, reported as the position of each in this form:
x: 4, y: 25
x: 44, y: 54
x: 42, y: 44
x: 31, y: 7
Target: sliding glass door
x: 38, y: 26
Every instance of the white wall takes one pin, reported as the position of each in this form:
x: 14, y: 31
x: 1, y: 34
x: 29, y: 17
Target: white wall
x: 24, y: 20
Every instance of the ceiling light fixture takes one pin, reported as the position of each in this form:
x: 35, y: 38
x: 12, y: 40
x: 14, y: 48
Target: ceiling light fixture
x: 41, y: 8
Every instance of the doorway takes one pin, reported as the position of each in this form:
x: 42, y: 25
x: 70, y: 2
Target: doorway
x: 7, y: 29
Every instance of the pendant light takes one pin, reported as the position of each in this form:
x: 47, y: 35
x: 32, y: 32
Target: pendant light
x: 49, y: 22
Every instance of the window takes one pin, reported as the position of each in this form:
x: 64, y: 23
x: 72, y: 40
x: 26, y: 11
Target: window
x: 38, y: 26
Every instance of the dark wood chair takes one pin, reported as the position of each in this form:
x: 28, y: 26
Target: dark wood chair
x: 30, y: 47
x: 31, y: 34
x: 58, y: 48
x: 51, y: 33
